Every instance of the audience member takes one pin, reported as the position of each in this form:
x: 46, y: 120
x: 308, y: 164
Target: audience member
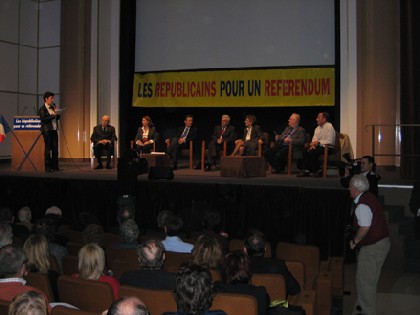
x: 294, y: 134
x: 146, y: 136
x: 91, y: 266
x: 84, y: 219
x: 194, y: 292
x: 55, y: 214
x: 103, y: 138
x: 212, y: 227
x: 223, y: 133
x: 94, y: 233
x: 324, y: 135
x: 372, y: 242
x: 19, y: 231
x: 45, y: 226
x: 6, y: 234
x: 414, y: 204
x: 28, y: 303
x: 38, y: 256
x: 207, y: 252
x: 172, y: 242
x: 129, y: 305
x: 367, y: 168
x: 12, y: 270
x: 236, y: 275
x: 25, y: 218
x: 129, y: 232
x: 252, y: 136
x: 184, y: 135
x: 255, y: 247
x: 151, y: 257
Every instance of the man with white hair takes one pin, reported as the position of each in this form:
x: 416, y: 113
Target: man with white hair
x: 371, y: 240
x: 221, y: 134
x: 103, y: 138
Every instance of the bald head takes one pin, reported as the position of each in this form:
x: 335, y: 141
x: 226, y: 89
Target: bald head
x: 294, y: 120
x: 105, y: 120
x: 128, y: 306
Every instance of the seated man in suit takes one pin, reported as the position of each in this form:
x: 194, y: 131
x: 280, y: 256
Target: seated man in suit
x: 103, y: 138
x: 277, y: 155
x: 254, y: 247
x: 253, y: 136
x: 150, y: 275
x: 172, y: 242
x: 183, y: 137
x: 221, y: 134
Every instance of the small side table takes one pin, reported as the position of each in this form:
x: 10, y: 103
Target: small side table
x: 242, y: 166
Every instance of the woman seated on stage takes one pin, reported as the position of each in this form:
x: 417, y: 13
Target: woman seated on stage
x: 146, y: 136
x: 248, y: 145
x: 91, y: 266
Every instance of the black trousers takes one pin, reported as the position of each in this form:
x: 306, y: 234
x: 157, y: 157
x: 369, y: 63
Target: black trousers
x: 51, y: 149
x: 276, y: 156
x: 311, y: 159
x: 99, y: 148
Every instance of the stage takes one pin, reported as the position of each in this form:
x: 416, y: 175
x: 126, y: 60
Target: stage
x: 285, y: 208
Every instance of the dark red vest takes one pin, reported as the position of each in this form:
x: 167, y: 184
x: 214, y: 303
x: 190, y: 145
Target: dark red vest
x: 378, y: 228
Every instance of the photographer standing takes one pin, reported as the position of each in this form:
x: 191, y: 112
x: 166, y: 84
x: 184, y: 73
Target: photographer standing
x: 367, y: 169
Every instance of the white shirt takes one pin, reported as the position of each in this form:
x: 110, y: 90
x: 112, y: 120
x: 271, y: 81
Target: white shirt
x: 324, y: 134
x: 248, y: 134
x: 363, y: 213
x: 51, y: 111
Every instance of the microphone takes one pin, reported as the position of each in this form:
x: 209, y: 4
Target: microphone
x: 23, y: 111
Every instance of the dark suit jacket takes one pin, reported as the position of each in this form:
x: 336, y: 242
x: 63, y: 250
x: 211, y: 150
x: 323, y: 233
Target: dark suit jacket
x: 192, y: 134
x: 298, y: 137
x: 46, y: 119
x: 256, y: 133
x: 98, y: 134
x: 275, y: 266
x: 228, y: 136
x: 149, y: 279
x: 153, y: 134
x: 260, y: 293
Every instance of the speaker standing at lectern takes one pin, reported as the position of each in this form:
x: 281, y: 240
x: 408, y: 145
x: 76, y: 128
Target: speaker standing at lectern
x: 49, y: 126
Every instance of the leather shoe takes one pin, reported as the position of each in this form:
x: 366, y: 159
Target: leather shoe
x: 207, y: 168
x: 303, y: 174
x: 99, y: 167
x: 108, y: 167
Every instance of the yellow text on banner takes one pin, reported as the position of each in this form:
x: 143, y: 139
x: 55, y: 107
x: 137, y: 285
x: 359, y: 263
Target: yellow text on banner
x: 236, y: 88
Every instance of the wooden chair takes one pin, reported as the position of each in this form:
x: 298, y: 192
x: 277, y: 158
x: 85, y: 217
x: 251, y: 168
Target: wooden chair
x: 274, y: 283
x: 187, y: 152
x: 120, y: 267
x: 74, y: 236
x: 4, y: 306
x: 266, y: 143
x: 70, y: 265
x: 314, y: 278
x: 235, y: 304
x: 174, y: 260
x: 126, y: 254
x: 42, y: 282
x: 88, y: 295
x: 111, y: 239
x: 204, y: 151
x: 333, y: 157
x: 113, y: 155
x: 62, y: 310
x: 157, y: 301
x: 237, y: 244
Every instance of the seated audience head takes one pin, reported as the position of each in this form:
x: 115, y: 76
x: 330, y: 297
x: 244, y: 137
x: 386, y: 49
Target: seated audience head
x: 162, y: 216
x: 129, y: 305
x: 255, y: 244
x: 94, y: 233
x: 151, y: 254
x: 6, y: 234
x: 46, y: 227
x: 173, y: 225
x: 91, y: 261
x: 125, y: 214
x: 6, y: 215
x: 24, y: 215
x: 358, y: 185
x: 129, y: 231
x: 236, y: 268
x: 54, y: 210
x: 12, y: 262
x: 212, y: 220
x: 28, y: 303
x: 207, y: 252
x: 194, y: 291
x: 367, y: 164
x: 37, y: 253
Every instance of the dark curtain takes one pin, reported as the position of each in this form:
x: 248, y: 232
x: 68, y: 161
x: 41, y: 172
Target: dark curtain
x: 410, y: 89
x: 313, y: 216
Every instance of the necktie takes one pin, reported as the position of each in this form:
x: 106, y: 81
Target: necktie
x: 223, y: 131
x: 185, y: 132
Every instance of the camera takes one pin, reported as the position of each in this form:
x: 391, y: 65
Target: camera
x: 353, y: 165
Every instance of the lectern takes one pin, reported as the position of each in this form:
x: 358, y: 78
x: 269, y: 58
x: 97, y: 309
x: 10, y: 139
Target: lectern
x: 27, y: 144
